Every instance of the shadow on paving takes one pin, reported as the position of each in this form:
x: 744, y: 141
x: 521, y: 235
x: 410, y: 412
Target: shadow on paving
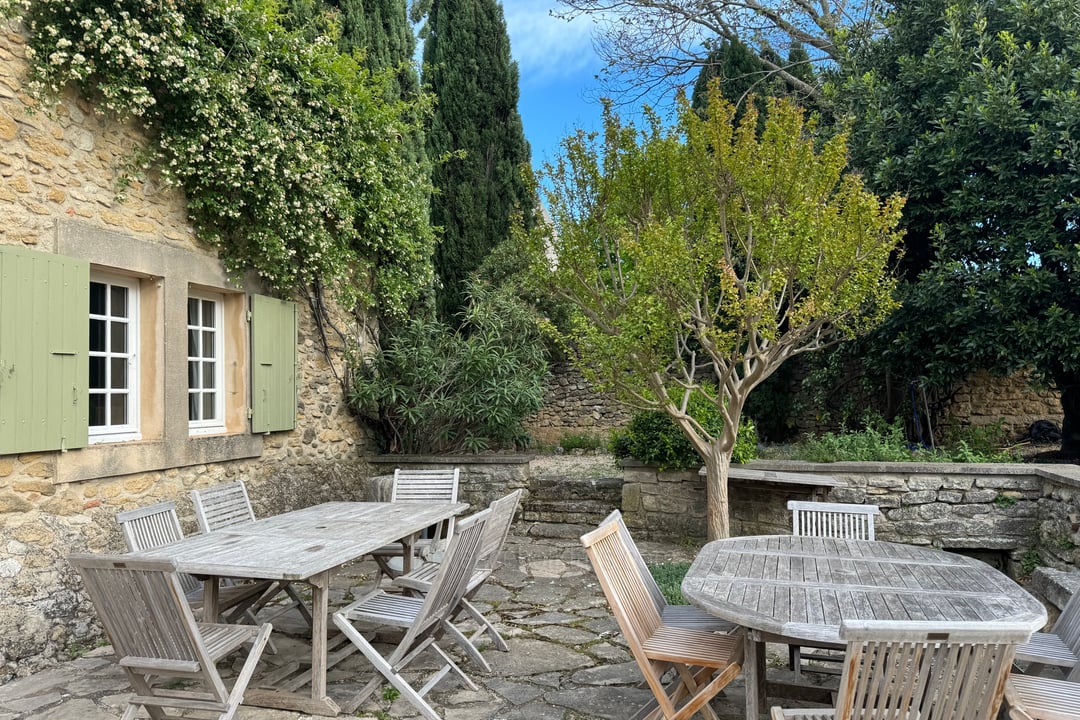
x: 567, y: 660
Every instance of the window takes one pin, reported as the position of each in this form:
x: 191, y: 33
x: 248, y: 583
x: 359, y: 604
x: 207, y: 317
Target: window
x: 114, y: 359
x: 206, y: 405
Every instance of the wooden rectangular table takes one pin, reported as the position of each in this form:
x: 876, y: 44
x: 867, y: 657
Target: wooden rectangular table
x: 306, y: 546
x: 784, y: 588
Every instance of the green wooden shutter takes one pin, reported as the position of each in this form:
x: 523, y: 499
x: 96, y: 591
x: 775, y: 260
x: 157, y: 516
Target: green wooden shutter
x: 273, y: 372
x: 44, y: 341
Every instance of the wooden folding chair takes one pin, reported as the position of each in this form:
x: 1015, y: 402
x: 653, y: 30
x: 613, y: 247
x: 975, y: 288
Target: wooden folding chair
x: 157, y: 525
x: 419, y: 486
x: 496, y: 529
x: 425, y: 619
x: 155, y: 635
x: 921, y: 670
x: 227, y: 505
x: 704, y: 662
x: 1038, y: 698
x: 1060, y: 647
x: 846, y: 521
x: 836, y: 520
x: 686, y: 616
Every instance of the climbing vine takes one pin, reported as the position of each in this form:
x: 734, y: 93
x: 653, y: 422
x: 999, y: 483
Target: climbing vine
x: 288, y: 151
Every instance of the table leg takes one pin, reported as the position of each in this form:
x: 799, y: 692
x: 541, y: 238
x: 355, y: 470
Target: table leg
x: 210, y: 599
x: 407, y: 553
x: 320, y: 585
x: 754, y: 670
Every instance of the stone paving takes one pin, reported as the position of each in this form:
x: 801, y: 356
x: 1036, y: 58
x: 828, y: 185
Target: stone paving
x: 567, y: 660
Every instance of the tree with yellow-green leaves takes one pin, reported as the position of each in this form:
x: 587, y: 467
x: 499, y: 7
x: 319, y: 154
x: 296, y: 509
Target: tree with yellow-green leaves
x: 698, y: 258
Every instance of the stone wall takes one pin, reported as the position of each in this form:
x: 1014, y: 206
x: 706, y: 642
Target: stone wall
x: 984, y: 400
x: 62, y: 168
x: 572, y: 407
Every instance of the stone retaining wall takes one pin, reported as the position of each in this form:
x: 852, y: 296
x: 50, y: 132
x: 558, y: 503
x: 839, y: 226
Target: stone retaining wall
x: 572, y: 407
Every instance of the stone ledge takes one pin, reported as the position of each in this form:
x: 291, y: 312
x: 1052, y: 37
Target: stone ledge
x: 1056, y: 586
x: 449, y: 459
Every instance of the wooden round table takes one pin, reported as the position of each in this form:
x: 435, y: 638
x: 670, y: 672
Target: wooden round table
x: 782, y: 587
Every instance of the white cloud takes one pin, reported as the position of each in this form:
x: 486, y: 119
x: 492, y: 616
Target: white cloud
x: 548, y: 48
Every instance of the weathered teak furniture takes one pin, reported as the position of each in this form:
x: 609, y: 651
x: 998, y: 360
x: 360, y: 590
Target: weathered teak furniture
x: 1038, y: 698
x: 1060, y: 647
x: 837, y: 520
x: 704, y: 662
x: 412, y: 486
x: 800, y: 589
x: 156, y: 525
x: 686, y: 616
x: 497, y: 527
x: 154, y: 635
x: 222, y: 506
x: 424, y: 619
x: 226, y: 506
x: 304, y: 545
x: 920, y: 670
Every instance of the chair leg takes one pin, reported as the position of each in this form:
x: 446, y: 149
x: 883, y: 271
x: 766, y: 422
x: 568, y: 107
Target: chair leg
x: 485, y: 626
x: 244, y: 677
x: 795, y: 661
x: 466, y: 645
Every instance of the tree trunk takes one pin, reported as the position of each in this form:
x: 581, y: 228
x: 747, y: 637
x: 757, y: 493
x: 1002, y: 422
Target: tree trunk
x: 717, y: 520
x: 1069, y: 386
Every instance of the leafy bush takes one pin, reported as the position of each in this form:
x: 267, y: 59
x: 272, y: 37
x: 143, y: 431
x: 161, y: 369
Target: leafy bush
x: 879, y: 441
x: 581, y: 441
x: 433, y: 389
x: 653, y: 438
x: 669, y: 577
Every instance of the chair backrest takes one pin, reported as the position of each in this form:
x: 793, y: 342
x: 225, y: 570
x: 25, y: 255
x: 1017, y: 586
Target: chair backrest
x: 626, y: 591
x: 835, y: 520
x: 643, y: 568
x: 451, y: 582
x: 923, y: 670
x: 222, y: 506
x: 427, y: 486
x: 497, y: 528
x: 153, y: 526
x: 1067, y: 626
x: 142, y: 608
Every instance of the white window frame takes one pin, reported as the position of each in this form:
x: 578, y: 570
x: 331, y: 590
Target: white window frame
x: 130, y: 430
x: 217, y: 423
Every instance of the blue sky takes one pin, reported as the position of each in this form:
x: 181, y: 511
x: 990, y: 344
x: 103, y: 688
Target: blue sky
x: 557, y: 68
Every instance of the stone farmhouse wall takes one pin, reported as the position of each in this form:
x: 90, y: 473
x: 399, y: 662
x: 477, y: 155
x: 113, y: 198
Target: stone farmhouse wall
x: 571, y: 406
x: 57, y: 195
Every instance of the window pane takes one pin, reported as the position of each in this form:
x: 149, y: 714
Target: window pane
x: 208, y: 344
x: 208, y: 377
x: 118, y: 336
x: 97, y: 298
x: 119, y: 373
x: 97, y: 373
x: 193, y: 375
x: 193, y: 343
x: 97, y: 336
x: 193, y: 406
x: 97, y: 410
x: 208, y: 405
x: 208, y: 308
x: 192, y: 311
x: 118, y: 409
x: 118, y: 296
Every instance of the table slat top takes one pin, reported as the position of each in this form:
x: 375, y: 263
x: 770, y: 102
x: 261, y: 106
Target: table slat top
x: 300, y: 544
x: 803, y: 587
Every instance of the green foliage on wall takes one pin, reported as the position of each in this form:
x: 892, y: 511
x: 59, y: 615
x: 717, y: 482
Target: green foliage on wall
x: 288, y: 151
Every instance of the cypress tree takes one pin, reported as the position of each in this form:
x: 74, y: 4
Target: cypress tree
x: 380, y: 29
x: 475, y: 139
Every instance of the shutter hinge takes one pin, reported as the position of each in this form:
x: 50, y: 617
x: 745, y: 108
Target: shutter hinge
x: 249, y: 316
x: 250, y: 413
